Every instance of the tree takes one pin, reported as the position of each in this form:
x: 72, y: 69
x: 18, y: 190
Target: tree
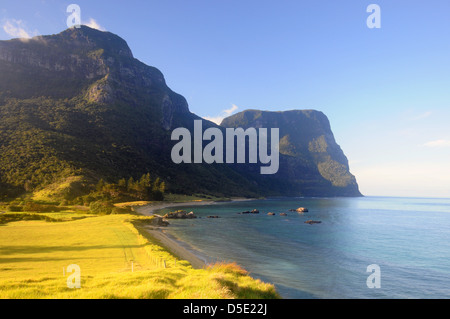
x: 100, y: 185
x: 130, y: 184
x: 122, y: 184
x: 145, y: 181
x: 162, y: 187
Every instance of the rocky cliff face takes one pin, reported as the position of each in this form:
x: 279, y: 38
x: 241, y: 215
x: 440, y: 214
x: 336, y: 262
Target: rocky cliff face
x: 78, y: 102
x: 98, y: 64
x: 311, y: 162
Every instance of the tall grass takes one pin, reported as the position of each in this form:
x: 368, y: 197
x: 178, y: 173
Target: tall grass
x: 34, y: 255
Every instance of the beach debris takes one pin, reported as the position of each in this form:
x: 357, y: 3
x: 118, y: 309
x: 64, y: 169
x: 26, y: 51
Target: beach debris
x: 271, y: 214
x: 180, y: 214
x: 313, y: 222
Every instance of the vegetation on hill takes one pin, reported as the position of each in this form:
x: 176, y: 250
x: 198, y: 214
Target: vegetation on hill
x: 311, y: 162
x: 77, y: 107
x: 113, y: 123
x: 84, y: 126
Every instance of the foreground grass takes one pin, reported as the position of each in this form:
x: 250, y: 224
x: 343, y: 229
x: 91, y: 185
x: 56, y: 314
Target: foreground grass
x: 34, y: 255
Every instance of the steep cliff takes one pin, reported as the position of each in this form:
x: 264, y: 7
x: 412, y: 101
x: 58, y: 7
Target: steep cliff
x: 79, y: 104
x: 311, y: 162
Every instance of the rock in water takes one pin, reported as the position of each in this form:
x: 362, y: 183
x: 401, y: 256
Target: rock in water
x: 313, y: 222
x: 191, y: 215
x: 159, y: 221
x: 180, y: 214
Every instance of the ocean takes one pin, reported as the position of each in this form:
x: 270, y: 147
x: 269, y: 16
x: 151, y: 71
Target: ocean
x: 407, y: 238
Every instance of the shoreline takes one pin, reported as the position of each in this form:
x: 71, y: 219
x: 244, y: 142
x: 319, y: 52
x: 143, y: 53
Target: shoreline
x: 148, y: 210
x: 175, y: 248
x: 173, y: 244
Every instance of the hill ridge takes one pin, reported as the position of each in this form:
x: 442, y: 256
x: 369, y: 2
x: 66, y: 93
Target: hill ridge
x: 79, y: 104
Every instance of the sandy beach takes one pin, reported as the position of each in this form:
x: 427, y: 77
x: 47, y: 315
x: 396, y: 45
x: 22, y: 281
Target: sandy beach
x: 170, y: 244
x: 149, y: 210
x: 175, y: 248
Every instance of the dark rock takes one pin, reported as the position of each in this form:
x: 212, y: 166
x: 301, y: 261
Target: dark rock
x: 159, y: 221
x: 180, y: 214
x: 191, y: 215
x: 313, y: 222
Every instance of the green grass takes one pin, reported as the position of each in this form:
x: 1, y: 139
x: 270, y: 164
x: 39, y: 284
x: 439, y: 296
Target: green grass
x: 34, y: 254
x: 58, y: 189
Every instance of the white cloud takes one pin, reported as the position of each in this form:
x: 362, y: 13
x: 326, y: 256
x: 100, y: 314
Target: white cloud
x: 231, y: 110
x: 17, y: 29
x: 438, y: 143
x: 92, y: 23
x: 225, y: 113
x: 215, y: 119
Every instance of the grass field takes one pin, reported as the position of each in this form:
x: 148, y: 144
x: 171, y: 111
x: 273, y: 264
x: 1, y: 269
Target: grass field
x: 115, y: 259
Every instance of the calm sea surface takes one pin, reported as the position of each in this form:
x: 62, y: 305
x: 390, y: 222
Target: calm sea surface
x: 408, y: 238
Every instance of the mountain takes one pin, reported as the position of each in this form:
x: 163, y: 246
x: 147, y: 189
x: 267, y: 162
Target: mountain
x: 78, y: 104
x: 311, y: 162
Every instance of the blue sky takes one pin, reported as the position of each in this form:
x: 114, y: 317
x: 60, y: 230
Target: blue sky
x: 386, y: 91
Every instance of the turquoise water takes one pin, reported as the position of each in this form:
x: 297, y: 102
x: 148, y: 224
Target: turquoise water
x: 408, y: 238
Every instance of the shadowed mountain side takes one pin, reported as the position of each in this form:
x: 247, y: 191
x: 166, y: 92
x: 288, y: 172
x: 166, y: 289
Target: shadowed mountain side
x: 79, y: 104
x: 311, y: 162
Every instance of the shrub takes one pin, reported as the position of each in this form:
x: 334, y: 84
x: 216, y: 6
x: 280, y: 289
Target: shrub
x: 101, y: 208
x: 35, y: 207
x: 12, y: 208
x: 88, y: 199
x: 121, y: 210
